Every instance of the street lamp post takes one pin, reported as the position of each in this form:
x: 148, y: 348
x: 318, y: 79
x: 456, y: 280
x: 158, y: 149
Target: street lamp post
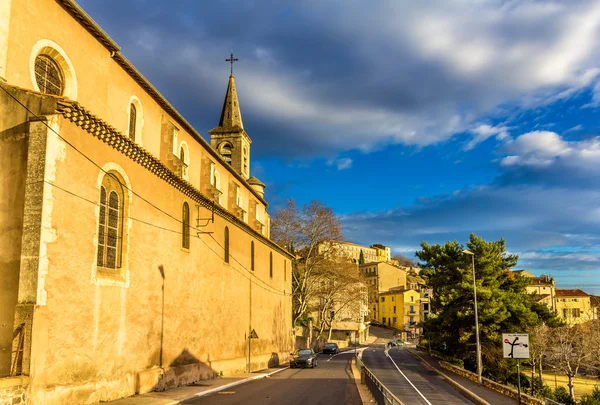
x: 476, y: 318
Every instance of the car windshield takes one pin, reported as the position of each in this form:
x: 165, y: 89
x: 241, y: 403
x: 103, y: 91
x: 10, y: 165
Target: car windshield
x: 304, y: 352
x: 328, y: 345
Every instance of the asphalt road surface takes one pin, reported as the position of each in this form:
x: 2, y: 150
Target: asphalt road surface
x: 331, y: 383
x: 408, y: 379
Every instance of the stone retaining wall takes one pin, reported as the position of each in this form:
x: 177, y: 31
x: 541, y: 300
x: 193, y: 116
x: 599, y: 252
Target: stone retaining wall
x: 13, y: 390
x: 503, y: 389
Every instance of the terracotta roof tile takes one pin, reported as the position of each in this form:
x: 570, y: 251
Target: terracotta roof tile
x: 565, y: 292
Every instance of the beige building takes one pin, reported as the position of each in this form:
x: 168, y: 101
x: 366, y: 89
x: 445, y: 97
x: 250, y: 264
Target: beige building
x: 381, y: 277
x: 573, y: 305
x: 542, y: 286
x: 401, y: 309
x: 373, y: 253
x: 133, y: 255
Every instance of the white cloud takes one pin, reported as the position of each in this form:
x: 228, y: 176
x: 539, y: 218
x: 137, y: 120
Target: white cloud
x: 484, y: 131
x: 544, y: 148
x: 343, y: 163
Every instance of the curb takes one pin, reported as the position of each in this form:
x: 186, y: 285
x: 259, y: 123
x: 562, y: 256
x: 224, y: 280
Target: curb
x: 456, y: 385
x: 363, y: 391
x: 226, y: 386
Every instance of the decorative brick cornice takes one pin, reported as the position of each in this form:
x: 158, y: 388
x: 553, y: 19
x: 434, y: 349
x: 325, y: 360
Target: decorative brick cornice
x: 93, y: 125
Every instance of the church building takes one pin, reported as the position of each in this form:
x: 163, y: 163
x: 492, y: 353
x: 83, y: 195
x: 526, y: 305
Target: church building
x: 134, y: 254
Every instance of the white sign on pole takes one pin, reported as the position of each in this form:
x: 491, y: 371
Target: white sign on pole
x: 515, y: 345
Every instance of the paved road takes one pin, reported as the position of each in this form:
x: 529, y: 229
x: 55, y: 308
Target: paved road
x: 409, y: 379
x: 330, y: 383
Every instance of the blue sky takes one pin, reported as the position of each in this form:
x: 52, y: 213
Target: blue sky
x: 414, y: 121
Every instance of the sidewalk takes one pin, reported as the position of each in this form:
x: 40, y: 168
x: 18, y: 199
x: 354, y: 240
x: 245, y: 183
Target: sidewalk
x: 198, y: 389
x: 482, y: 394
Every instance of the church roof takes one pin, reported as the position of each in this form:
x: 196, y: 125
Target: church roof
x: 231, y: 116
x: 254, y: 181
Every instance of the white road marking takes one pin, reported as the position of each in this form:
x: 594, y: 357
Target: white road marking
x: 405, y: 377
x: 337, y: 354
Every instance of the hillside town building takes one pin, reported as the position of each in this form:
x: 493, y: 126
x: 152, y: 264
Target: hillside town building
x: 573, y: 305
x: 134, y: 254
x: 374, y: 253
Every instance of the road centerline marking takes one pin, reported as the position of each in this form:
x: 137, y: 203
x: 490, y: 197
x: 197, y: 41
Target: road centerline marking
x: 406, y: 378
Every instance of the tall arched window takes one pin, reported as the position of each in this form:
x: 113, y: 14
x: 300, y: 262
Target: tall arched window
x: 185, y: 224
x: 252, y: 255
x: 110, y: 222
x: 132, y: 121
x: 226, y: 245
x: 271, y: 264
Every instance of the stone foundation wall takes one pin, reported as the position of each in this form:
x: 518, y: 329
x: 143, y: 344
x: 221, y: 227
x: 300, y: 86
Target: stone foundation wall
x: 503, y: 389
x: 13, y: 391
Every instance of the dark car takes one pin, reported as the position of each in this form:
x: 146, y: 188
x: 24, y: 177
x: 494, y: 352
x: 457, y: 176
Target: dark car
x: 375, y: 323
x: 303, y: 358
x: 331, y: 348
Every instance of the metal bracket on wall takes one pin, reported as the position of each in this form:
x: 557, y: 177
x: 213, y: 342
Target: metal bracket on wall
x: 208, y: 220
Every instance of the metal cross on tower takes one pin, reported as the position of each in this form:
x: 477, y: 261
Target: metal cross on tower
x: 231, y: 59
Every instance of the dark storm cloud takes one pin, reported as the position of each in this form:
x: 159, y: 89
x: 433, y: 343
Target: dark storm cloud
x: 320, y: 77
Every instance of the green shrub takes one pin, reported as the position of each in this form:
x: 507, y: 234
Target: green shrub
x: 562, y: 395
x: 591, y: 399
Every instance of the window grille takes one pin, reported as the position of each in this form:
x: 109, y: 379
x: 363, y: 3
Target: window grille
x: 185, y: 223
x: 48, y: 75
x: 110, y: 223
x: 226, y: 245
x: 132, y: 121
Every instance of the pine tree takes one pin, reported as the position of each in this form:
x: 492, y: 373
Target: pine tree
x: 361, y: 258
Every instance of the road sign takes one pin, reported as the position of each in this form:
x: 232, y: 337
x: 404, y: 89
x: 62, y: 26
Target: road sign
x: 515, y: 345
x: 253, y: 335
x: 356, y: 334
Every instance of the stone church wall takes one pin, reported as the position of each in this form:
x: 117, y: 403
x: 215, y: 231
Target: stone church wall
x: 93, y: 341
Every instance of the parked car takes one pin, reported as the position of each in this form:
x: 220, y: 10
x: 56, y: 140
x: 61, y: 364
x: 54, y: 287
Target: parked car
x: 303, y: 358
x: 373, y: 322
x: 331, y: 348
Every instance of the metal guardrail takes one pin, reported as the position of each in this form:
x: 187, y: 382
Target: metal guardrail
x: 381, y: 394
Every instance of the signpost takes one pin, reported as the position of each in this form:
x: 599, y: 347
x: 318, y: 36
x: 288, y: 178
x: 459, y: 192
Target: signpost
x: 516, y: 346
x: 251, y: 335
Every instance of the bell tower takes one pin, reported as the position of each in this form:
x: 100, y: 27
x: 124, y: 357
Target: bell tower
x: 229, y: 138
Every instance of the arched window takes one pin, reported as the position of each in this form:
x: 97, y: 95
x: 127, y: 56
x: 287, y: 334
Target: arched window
x: 252, y: 255
x: 226, y: 245
x: 132, y: 121
x: 225, y: 151
x: 184, y: 159
x: 185, y: 224
x: 110, y: 222
x: 271, y: 264
x: 48, y: 75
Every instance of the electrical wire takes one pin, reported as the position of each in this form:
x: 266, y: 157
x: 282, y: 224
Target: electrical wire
x: 274, y: 290
x: 251, y: 274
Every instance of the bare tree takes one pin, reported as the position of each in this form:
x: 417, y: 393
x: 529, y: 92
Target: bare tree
x: 405, y: 261
x: 570, y: 349
x: 340, y: 291
x: 539, y: 344
x: 306, y: 229
x: 594, y: 336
